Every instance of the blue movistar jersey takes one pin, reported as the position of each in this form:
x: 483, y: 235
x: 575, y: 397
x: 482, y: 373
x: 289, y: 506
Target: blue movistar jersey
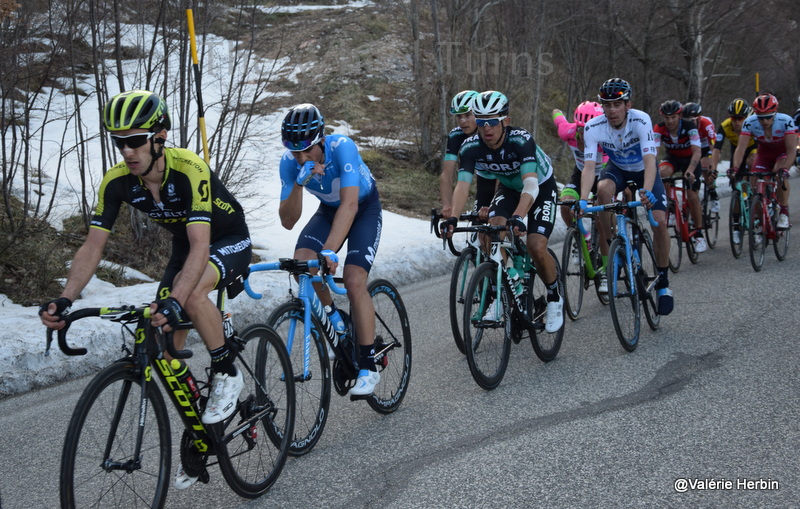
x: 343, y: 168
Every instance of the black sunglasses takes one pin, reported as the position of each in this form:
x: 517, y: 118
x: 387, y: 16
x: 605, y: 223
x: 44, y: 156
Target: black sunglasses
x: 132, y: 140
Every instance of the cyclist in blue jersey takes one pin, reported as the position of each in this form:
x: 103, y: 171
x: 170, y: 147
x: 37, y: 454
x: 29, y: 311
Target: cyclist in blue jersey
x: 526, y: 188
x: 210, y: 245
x: 626, y: 135
x: 330, y: 167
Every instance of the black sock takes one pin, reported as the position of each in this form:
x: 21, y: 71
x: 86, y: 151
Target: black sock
x: 222, y: 360
x: 552, y: 291
x: 663, y: 278
x: 367, y: 357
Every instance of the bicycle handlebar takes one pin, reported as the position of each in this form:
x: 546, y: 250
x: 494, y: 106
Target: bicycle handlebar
x: 121, y: 314
x: 297, y: 267
x: 436, y: 216
x: 620, y: 205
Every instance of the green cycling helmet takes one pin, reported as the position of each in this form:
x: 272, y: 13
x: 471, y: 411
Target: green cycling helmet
x: 136, y: 109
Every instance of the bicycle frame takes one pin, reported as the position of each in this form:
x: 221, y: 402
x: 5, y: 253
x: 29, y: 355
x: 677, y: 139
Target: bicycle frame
x: 148, y: 352
x: 511, y: 247
x: 681, y: 208
x: 312, y: 305
x: 591, y: 270
x: 632, y: 256
x: 767, y: 190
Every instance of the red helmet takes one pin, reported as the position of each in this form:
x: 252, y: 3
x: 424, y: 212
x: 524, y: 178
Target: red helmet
x: 765, y: 105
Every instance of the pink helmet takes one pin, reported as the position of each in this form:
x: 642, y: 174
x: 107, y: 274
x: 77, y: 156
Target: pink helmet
x: 586, y: 111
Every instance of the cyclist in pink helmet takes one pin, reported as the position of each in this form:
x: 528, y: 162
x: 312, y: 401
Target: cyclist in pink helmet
x: 572, y: 133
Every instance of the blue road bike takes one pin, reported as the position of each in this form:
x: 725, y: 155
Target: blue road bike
x: 312, y: 341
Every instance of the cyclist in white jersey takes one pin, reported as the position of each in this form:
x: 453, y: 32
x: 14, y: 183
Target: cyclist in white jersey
x: 626, y: 136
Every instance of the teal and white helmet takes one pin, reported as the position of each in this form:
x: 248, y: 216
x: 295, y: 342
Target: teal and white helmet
x: 492, y: 103
x: 462, y: 102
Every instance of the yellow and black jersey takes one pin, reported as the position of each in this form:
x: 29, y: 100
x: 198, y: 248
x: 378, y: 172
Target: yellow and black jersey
x: 190, y: 193
x: 725, y: 131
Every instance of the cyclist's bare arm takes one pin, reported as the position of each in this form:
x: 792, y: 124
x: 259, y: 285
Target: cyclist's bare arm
x: 738, y: 154
x: 291, y: 208
x: 785, y: 163
x: 83, y: 267
x: 446, y: 186
x: 587, y: 178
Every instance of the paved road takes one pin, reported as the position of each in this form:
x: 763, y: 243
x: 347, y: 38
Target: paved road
x: 713, y: 395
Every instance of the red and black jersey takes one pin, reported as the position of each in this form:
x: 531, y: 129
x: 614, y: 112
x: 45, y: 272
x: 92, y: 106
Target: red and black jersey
x: 680, y: 145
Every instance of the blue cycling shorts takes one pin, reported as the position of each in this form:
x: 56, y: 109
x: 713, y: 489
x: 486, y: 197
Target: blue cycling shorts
x: 364, y: 236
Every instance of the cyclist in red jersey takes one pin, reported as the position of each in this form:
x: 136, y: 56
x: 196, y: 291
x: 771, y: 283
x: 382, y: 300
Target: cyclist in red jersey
x: 776, y: 135
x: 708, y: 136
x: 681, y: 143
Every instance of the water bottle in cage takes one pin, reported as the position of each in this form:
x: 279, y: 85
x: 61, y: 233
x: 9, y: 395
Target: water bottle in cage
x: 185, y: 378
x: 227, y: 326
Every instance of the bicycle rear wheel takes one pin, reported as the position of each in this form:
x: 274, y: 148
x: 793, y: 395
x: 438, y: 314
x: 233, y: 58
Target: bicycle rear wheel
x: 462, y: 272
x: 624, y: 303
x: 734, y: 223
x: 647, y: 277
x: 99, y: 463
x: 675, y: 247
x: 392, y: 347
x: 545, y: 344
x: 758, y: 240
x: 573, y: 274
x: 313, y: 382
x: 254, y: 446
x: 488, y: 342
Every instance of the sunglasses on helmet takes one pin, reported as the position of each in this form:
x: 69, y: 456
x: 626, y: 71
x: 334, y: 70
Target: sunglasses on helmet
x: 611, y: 96
x: 460, y: 110
x: 131, y: 140
x: 491, y: 122
x: 302, y: 145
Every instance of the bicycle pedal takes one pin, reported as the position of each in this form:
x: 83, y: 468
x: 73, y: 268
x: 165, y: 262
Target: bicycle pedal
x: 360, y: 397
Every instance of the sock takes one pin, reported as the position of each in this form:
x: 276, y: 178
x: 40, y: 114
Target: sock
x: 604, y: 260
x: 552, y: 291
x: 712, y: 193
x: 663, y: 278
x: 367, y: 357
x: 222, y: 360
x: 784, y: 209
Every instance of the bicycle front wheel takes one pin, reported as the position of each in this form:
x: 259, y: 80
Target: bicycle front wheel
x: 392, y: 347
x: 647, y: 278
x: 781, y: 241
x: 573, y: 275
x: 624, y: 304
x: 736, y: 224
x: 100, y: 463
x: 675, y: 248
x: 710, y: 225
x: 487, y: 327
x: 757, y: 233
x: 312, y: 382
x: 462, y: 272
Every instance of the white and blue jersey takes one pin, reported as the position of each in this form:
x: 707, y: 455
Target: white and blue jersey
x: 343, y: 168
x: 625, y: 147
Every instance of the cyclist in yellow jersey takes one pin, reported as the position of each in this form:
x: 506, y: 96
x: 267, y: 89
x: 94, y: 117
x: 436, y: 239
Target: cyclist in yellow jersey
x: 729, y: 130
x: 211, y: 244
